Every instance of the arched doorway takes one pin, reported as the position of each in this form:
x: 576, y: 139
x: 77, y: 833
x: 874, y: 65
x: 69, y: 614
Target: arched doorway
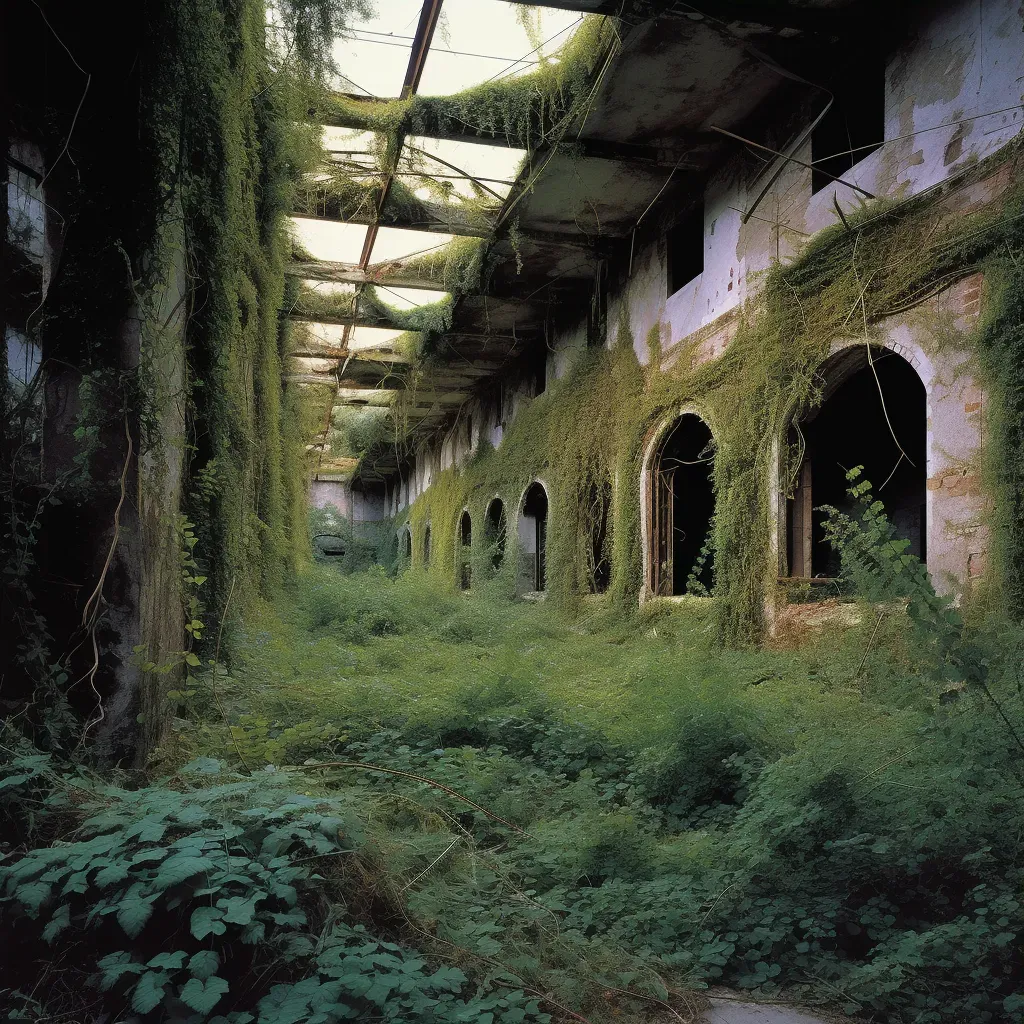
x: 873, y: 414
x: 496, y: 529
x: 426, y: 546
x: 533, y: 537
x: 682, y: 503
x: 465, y: 550
x: 597, y: 523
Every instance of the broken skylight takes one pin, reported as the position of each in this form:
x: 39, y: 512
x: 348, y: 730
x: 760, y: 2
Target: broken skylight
x: 478, y: 41
x: 465, y: 170
x: 329, y: 240
x: 374, y: 54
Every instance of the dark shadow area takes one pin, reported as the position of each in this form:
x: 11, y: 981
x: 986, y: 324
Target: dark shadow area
x: 851, y: 428
x: 496, y: 530
x: 533, y: 531
x: 599, y: 511
x: 465, y: 546
x: 683, y: 503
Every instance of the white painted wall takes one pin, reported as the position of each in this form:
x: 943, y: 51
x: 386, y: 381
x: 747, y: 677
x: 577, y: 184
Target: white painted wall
x: 960, y: 62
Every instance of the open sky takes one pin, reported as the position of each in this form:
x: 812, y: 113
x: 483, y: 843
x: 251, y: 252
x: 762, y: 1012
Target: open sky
x: 475, y: 41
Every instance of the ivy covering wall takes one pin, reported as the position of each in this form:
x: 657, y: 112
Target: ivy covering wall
x: 598, y: 417
x: 233, y: 117
x: 160, y: 459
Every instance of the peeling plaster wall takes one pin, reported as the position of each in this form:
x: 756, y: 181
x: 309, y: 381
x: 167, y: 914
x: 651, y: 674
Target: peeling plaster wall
x: 963, y: 61
x: 331, y: 492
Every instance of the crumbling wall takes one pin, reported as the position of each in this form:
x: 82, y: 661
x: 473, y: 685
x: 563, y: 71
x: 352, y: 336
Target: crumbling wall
x: 742, y: 343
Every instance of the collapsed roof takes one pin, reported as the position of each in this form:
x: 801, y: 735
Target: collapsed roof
x: 463, y: 228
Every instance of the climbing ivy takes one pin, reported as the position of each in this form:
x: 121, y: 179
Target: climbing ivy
x: 883, y: 260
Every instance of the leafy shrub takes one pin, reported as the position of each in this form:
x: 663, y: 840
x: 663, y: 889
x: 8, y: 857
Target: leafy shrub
x: 204, y: 904
x: 707, y: 767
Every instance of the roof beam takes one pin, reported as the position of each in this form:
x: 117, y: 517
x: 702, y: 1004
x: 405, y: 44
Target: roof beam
x: 349, y: 273
x: 661, y: 156
x: 433, y: 217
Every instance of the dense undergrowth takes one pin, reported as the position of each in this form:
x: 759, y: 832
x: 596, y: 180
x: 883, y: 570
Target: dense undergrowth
x: 408, y: 803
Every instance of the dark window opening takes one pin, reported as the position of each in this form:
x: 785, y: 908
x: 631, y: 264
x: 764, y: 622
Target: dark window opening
x: 599, y: 508
x: 465, y: 547
x: 682, y: 509
x: 533, y: 537
x: 540, y: 372
x: 426, y: 547
x: 685, y: 250
x: 851, y: 429
x: 406, y: 547
x: 597, y: 314
x: 499, y: 406
x: 854, y: 126
x: 496, y: 529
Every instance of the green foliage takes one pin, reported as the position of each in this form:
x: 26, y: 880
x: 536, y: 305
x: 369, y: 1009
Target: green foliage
x: 172, y: 898
x: 524, y: 111
x: 832, y: 824
x: 885, y: 260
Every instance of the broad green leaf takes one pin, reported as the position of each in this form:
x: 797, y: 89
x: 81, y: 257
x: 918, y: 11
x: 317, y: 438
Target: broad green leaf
x: 114, y: 965
x: 238, y: 909
x: 169, y: 961
x: 16, y: 780
x: 109, y: 875
x: 149, y: 992
x: 60, y: 920
x: 33, y: 896
x: 132, y: 914
x: 178, y: 868
x: 203, y: 996
x: 146, y: 856
x: 207, y: 921
x: 203, y: 964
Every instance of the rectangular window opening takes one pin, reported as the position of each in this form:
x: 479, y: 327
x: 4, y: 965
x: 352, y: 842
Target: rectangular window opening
x: 854, y: 126
x: 685, y: 252
x: 540, y: 372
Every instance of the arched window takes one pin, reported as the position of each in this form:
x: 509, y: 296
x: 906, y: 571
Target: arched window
x: 533, y: 536
x: 496, y: 528
x: 597, y: 520
x: 682, y: 507
x: 426, y: 546
x: 465, y: 548
x: 873, y: 414
x: 406, y: 547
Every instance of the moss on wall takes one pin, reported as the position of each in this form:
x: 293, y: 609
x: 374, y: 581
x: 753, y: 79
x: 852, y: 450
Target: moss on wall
x: 599, y: 416
x: 233, y: 115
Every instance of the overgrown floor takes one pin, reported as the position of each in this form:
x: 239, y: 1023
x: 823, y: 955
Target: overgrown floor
x: 652, y: 813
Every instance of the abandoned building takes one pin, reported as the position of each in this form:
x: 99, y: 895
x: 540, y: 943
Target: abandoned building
x: 613, y: 320
x: 751, y: 264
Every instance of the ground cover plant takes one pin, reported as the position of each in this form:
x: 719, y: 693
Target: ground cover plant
x: 405, y: 802
x: 388, y: 800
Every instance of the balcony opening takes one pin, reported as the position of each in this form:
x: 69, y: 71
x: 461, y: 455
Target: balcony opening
x: 854, y: 126
x: 685, y: 250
